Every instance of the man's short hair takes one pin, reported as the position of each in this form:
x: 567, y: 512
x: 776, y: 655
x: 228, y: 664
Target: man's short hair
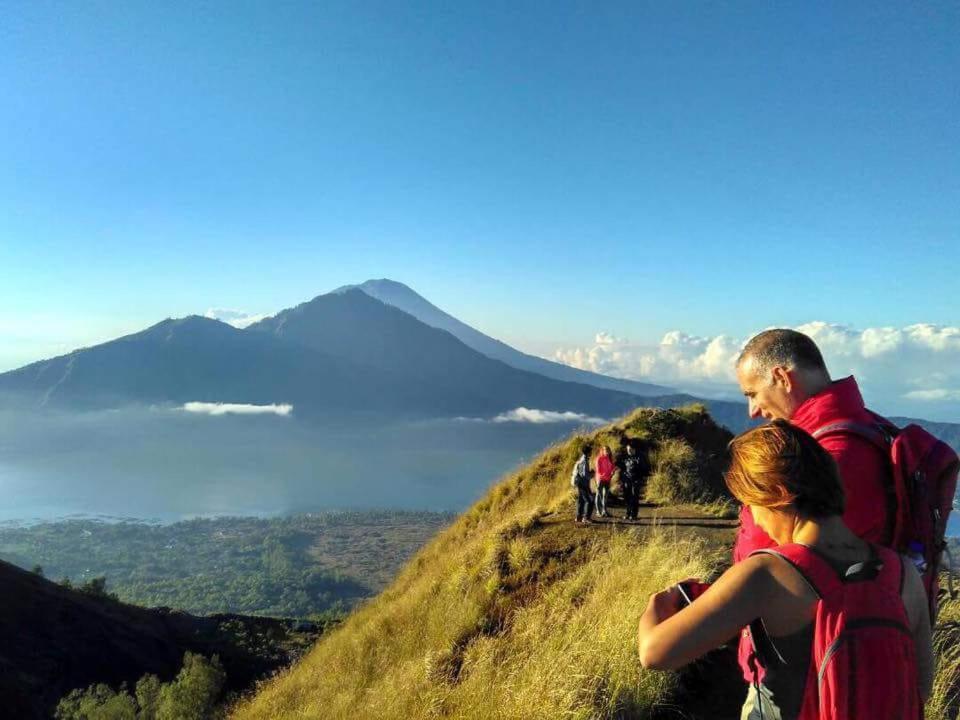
x: 786, y: 348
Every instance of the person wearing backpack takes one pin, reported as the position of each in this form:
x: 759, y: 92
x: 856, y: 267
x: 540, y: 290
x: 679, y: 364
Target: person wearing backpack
x: 580, y: 480
x: 633, y: 469
x: 847, y: 620
x: 899, y: 484
x: 605, y: 470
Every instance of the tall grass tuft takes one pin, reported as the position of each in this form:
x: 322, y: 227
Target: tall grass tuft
x: 944, y: 702
x: 676, y: 475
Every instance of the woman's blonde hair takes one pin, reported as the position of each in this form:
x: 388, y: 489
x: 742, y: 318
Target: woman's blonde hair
x: 779, y: 465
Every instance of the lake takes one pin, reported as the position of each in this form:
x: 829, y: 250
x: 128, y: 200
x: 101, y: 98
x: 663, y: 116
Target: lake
x: 168, y: 464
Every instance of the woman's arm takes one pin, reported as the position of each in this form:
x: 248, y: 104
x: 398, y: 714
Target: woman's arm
x: 915, y: 601
x: 669, y: 639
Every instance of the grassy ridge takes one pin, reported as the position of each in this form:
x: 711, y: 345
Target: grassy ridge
x: 512, y: 612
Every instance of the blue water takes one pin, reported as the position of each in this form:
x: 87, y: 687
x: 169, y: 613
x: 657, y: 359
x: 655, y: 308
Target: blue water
x: 168, y: 465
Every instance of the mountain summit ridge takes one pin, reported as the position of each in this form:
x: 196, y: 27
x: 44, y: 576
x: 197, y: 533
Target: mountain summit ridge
x: 405, y: 298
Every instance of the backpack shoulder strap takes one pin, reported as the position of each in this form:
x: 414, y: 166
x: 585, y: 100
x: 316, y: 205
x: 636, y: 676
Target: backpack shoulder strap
x: 824, y: 577
x: 879, y: 435
x: 816, y: 572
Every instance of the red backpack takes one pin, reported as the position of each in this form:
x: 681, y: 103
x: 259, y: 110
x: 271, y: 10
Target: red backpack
x: 924, y: 480
x: 863, y: 661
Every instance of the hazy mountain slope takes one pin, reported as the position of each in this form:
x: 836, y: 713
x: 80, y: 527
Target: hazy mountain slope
x: 514, y: 612
x: 53, y: 639
x: 363, y: 331
x: 400, y: 296
x: 197, y: 359
x: 380, y: 360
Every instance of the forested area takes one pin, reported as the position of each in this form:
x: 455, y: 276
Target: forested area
x: 294, y: 566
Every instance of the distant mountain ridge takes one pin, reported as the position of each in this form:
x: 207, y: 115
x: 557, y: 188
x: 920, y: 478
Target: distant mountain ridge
x: 338, y: 353
x: 400, y: 296
x: 359, y: 349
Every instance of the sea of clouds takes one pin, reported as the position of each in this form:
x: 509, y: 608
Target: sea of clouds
x: 905, y: 370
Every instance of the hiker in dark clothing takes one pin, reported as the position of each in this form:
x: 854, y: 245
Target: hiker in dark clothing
x: 580, y: 480
x: 633, y: 471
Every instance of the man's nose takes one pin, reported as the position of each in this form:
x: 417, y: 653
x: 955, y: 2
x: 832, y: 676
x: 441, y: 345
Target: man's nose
x: 754, y: 410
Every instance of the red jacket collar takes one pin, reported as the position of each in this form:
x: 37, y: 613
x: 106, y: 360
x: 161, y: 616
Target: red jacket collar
x: 841, y: 400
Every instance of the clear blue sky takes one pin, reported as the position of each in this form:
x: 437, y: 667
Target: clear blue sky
x: 541, y: 170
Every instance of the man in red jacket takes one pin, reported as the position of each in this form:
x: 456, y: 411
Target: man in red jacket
x: 783, y: 375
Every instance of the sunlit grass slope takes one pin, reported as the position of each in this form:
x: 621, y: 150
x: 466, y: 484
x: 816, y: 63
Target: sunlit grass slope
x: 513, y: 612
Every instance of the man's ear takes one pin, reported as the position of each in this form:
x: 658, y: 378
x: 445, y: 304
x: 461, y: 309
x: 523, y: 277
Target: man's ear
x: 782, y: 377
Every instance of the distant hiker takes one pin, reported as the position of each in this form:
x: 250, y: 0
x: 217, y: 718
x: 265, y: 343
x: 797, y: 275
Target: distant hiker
x: 605, y: 470
x: 783, y: 376
x: 633, y: 471
x: 580, y: 480
x: 846, y: 622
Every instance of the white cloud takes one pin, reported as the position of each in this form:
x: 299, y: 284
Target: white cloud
x: 208, y: 408
x: 897, y: 367
x: 933, y: 395
x: 238, y: 318
x: 540, y: 417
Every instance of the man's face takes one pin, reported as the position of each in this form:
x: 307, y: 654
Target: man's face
x: 768, y: 394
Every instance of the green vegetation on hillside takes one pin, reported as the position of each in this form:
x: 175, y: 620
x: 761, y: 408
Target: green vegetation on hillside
x: 191, y: 695
x: 297, y: 566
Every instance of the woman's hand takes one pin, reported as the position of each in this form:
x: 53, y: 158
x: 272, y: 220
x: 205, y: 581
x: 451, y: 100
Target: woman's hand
x: 665, y: 603
x: 669, y: 637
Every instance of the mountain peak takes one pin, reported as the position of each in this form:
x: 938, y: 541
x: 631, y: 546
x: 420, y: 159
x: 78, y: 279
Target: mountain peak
x: 190, y: 323
x: 380, y: 286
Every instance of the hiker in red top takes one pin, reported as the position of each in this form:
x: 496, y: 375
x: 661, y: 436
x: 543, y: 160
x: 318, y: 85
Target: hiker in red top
x: 783, y: 376
x: 605, y: 470
x: 846, y: 621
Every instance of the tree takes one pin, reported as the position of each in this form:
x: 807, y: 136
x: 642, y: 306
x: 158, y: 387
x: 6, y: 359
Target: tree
x: 97, y: 702
x: 193, y: 693
x: 148, y: 697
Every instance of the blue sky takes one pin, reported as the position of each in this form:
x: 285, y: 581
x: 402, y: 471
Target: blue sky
x: 544, y: 171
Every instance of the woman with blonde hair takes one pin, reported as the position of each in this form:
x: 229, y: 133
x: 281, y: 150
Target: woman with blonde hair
x: 841, y: 626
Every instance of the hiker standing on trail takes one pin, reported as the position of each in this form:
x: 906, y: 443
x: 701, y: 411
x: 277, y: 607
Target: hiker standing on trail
x: 633, y: 469
x: 817, y: 587
x: 580, y: 480
x: 783, y: 376
x: 605, y: 470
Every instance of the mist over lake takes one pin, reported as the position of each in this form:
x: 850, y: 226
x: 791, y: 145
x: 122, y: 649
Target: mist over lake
x: 168, y: 464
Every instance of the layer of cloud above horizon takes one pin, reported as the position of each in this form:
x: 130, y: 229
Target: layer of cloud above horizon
x: 915, y: 364
x: 208, y: 408
x: 540, y: 417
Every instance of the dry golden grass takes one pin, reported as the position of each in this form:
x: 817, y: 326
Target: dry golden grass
x: 675, y: 477
x: 944, y: 702
x: 512, y: 612
x: 437, y: 647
